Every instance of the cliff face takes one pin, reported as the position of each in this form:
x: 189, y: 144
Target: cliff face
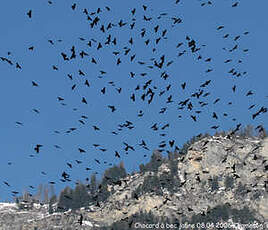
x: 218, y: 176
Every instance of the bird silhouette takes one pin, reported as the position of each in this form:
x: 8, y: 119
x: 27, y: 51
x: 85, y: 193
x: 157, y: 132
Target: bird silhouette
x: 29, y: 13
x: 84, y: 100
x: 37, y: 148
x: 73, y: 6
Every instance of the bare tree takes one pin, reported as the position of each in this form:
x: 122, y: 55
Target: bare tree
x: 46, y: 194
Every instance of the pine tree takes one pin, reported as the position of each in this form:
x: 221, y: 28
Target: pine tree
x: 39, y: 193
x: 51, y: 191
x: 113, y: 174
x: 65, y: 199
x: 156, y: 161
x: 93, y: 184
x: 142, y: 168
x: 46, y: 194
x: 81, y: 197
x: 247, y: 131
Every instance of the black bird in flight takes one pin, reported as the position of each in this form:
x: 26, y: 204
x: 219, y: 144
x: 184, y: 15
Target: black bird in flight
x: 6, y: 183
x: 193, y: 117
x: 112, y: 108
x: 87, y: 83
x: 133, y: 11
x: 73, y: 6
x: 183, y: 85
x: 18, y: 66
x: 29, y: 13
x: 249, y: 93
x: 36, y: 110
x: 103, y: 90
x: 34, y: 83
x: 234, y: 88
x: 81, y: 150
x: 69, y: 164
x: 37, y: 148
x: 117, y: 154
x: 84, y: 100
x: 95, y: 128
x: 235, y: 4
x: 215, y: 115
x: 19, y: 123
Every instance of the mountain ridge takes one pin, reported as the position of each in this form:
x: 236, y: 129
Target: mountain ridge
x: 220, y: 179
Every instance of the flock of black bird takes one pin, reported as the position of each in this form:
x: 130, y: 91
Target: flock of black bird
x: 148, y: 90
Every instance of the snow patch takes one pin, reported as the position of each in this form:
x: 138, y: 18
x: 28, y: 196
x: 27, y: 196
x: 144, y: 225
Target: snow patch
x: 87, y: 223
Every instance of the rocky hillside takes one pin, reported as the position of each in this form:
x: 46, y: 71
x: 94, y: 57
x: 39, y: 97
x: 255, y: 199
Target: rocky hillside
x: 220, y: 180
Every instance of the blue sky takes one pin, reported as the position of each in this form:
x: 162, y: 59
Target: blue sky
x: 57, y: 21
